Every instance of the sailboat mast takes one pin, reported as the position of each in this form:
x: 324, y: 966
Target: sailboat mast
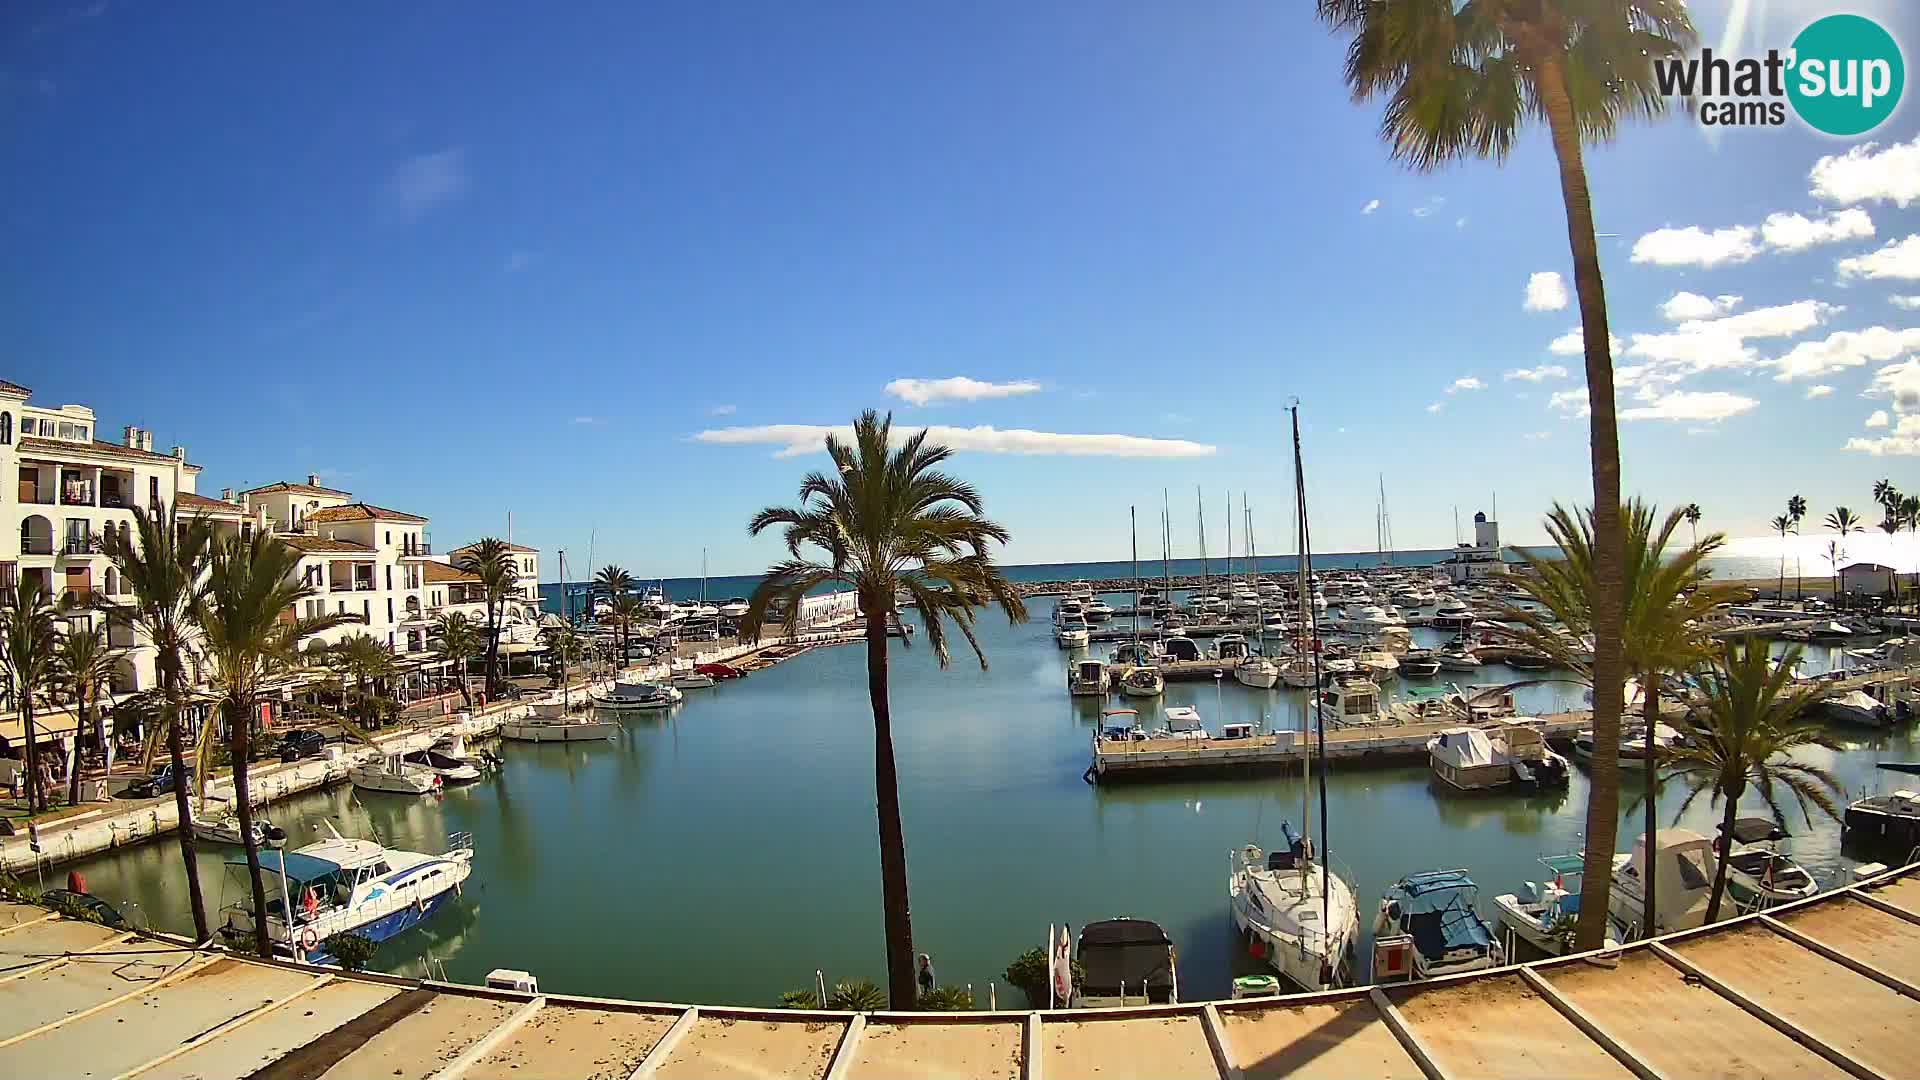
x: 1229, y: 497
x: 1320, y: 724
x: 1133, y: 530
x: 1166, y: 545
x: 1200, y: 513
x: 566, y: 642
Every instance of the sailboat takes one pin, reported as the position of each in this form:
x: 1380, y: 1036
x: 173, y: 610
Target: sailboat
x: 1297, y: 911
x: 1257, y: 670
x: 1144, y: 680
x: 551, y: 720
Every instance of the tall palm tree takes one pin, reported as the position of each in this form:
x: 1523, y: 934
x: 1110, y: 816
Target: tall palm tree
x: 1910, y: 516
x: 1668, y: 593
x: 161, y: 562
x: 83, y: 669
x: 627, y: 610
x: 492, y: 561
x: 1796, y: 510
x: 245, y: 616
x: 887, y: 521
x: 1461, y: 80
x: 1885, y: 494
x: 459, y: 643
x: 612, y: 581
x: 1842, y: 521
x: 1782, y: 525
x: 28, y: 646
x: 1743, y: 735
x: 1692, y: 513
x: 363, y: 659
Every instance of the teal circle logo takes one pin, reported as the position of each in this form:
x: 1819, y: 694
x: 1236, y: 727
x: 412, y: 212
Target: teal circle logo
x: 1846, y: 75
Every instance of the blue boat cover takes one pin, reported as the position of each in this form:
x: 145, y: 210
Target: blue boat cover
x: 299, y: 868
x: 1436, y: 908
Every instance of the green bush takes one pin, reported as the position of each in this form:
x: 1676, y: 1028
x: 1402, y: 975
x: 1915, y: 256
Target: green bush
x: 800, y: 999
x: 947, y: 999
x: 351, y: 951
x: 860, y: 996
x: 73, y: 909
x: 1028, y: 973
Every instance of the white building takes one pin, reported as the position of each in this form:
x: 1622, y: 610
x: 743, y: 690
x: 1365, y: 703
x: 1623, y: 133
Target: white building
x: 1480, y: 559
x: 1869, y: 579
x: 526, y: 568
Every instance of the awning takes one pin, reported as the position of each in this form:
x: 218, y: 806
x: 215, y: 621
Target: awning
x: 300, y: 869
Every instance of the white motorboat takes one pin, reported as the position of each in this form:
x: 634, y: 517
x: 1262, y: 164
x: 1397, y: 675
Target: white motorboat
x: 1420, y: 664
x: 1465, y: 758
x: 1088, y: 678
x: 1299, y: 672
x: 686, y: 677
x: 449, y: 769
x: 1759, y: 874
x: 1353, y: 701
x: 1143, y: 682
x: 1542, y: 913
x: 1458, y: 658
x: 1183, y: 722
x: 1257, y: 672
x: 1301, y: 916
x: 1072, y: 633
x: 1127, y: 962
x: 1378, y: 666
x: 455, y: 746
x: 1855, y: 707
x: 627, y: 696
x: 1428, y: 926
x: 1099, y: 611
x: 222, y: 826
x: 1633, y: 745
x: 392, y: 773
x: 1521, y: 742
x: 1682, y: 884
x: 735, y: 607
x: 339, y: 886
x: 551, y: 721
x: 1231, y: 647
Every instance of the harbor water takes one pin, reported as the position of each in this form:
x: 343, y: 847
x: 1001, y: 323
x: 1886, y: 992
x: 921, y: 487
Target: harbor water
x: 725, y: 851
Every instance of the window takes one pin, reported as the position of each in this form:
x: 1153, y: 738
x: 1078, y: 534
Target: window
x: 389, y: 536
x: 389, y: 609
x: 340, y: 607
x: 366, y: 611
x: 389, y: 577
x: 153, y: 492
x: 6, y: 428
x: 246, y: 530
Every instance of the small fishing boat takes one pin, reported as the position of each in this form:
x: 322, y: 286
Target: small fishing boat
x: 1121, y: 725
x: 1087, y: 678
x: 551, y: 721
x: 339, y: 886
x: 1283, y: 901
x: 1855, y: 707
x: 392, y: 773
x: 1420, y: 664
x: 1181, y: 648
x: 1428, y: 926
x: 455, y: 746
x: 1378, y: 666
x: 1760, y: 875
x: 222, y: 826
x: 1528, y: 660
x: 1541, y: 912
x: 1682, y: 885
x: 1299, y: 672
x: 627, y: 696
x: 1183, y: 722
x: 449, y: 769
x: 1458, y: 659
x: 1143, y: 682
x: 1465, y: 758
x: 1127, y: 962
x: 685, y: 676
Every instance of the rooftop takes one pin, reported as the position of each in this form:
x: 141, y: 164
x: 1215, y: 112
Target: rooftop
x: 34, y: 443
x: 510, y: 547
x: 360, y: 512
x: 191, y: 503
x: 439, y: 573
x: 323, y: 544
x: 1824, y: 987
x: 299, y: 489
x: 14, y: 389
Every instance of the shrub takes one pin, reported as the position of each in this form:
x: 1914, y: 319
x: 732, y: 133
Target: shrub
x: 800, y: 999
x: 352, y: 951
x: 947, y: 999
x: 1028, y: 973
x: 863, y: 995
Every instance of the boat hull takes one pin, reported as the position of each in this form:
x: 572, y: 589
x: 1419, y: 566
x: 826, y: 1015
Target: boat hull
x: 585, y: 731
x: 1257, y: 676
x: 1473, y: 777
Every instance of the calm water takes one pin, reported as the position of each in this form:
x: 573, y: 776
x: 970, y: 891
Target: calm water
x: 724, y: 852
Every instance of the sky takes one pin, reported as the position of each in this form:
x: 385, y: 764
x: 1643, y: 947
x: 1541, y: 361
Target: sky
x: 611, y: 268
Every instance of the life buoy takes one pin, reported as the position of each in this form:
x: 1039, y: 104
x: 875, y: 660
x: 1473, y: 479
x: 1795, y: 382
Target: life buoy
x: 308, y: 939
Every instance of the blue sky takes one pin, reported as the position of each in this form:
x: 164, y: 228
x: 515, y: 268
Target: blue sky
x: 464, y: 259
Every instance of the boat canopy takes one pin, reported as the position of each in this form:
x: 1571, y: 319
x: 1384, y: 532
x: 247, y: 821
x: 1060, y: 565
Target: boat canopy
x: 1464, y: 748
x: 1753, y: 830
x: 1564, y: 865
x: 299, y: 869
x: 1134, y: 953
x: 1182, y: 718
x: 1436, y: 908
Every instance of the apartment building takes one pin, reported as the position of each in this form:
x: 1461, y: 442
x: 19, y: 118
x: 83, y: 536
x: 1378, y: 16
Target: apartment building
x: 526, y: 568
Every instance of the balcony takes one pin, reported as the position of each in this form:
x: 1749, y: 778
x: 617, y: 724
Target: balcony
x: 114, y: 500
x: 36, y: 545
x: 410, y: 550
x: 339, y: 586
x: 31, y: 495
x: 79, y: 545
x: 363, y: 586
x: 80, y: 495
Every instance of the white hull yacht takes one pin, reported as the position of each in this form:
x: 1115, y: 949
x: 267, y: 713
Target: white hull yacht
x: 1302, y: 916
x: 1257, y: 672
x: 392, y: 773
x: 550, y: 721
x: 1428, y: 926
x: 626, y: 696
x: 1088, y: 678
x: 1682, y: 884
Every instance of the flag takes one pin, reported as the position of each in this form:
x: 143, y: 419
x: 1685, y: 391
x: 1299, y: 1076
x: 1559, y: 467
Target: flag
x: 1060, y: 967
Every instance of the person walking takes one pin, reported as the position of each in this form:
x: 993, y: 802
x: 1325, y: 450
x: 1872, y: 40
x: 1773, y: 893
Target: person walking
x: 927, y: 980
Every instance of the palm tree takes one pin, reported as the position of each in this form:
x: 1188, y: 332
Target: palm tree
x: 1842, y: 521
x: 28, y: 648
x: 1885, y: 494
x: 161, y: 563
x: 1910, y: 515
x: 459, y: 643
x: 1796, y: 510
x: 1692, y: 513
x: 492, y: 561
x: 1743, y: 735
x: 364, y: 659
x: 1460, y: 81
x: 83, y: 669
x: 1667, y: 596
x: 612, y: 581
x: 245, y: 615
x: 1782, y: 525
x: 887, y: 521
x: 627, y: 610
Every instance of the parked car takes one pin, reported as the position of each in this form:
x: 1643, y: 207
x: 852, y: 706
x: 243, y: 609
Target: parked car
x: 302, y: 743
x: 160, y: 783
x: 67, y: 899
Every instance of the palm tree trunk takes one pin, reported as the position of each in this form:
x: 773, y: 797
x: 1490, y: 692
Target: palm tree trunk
x: 1651, y: 689
x: 240, y: 734
x: 1609, y: 555
x: 73, y: 770
x: 36, y: 798
x: 902, y: 991
x: 188, y: 858
x: 1720, y: 856
x: 493, y: 648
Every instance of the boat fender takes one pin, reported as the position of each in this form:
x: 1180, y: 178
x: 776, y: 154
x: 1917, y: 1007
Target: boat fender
x: 309, y: 940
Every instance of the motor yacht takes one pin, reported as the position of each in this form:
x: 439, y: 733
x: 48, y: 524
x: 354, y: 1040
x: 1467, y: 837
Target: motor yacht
x: 1352, y: 701
x: 1420, y: 664
x: 1072, y: 633
x: 1428, y: 926
x: 625, y: 696
x: 549, y: 721
x: 1087, y: 678
x: 1143, y: 682
x: 1856, y: 707
x: 1127, y: 962
x: 734, y: 608
x: 1299, y: 917
x: 1682, y: 885
x: 1099, y: 611
x: 392, y: 773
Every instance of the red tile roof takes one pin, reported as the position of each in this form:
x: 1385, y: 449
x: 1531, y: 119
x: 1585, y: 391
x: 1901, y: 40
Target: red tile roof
x: 14, y: 388
x: 510, y: 547
x: 30, y: 443
x: 200, y: 504
x: 440, y: 573
x: 361, y: 512
x: 303, y: 489
x: 322, y: 544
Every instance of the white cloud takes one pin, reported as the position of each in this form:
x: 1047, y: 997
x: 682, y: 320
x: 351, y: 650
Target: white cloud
x: 1720, y: 344
x: 1845, y: 349
x: 1709, y: 407
x: 1781, y: 320
x: 1372, y: 205
x: 586, y: 420
x: 1572, y: 343
x: 1910, y: 303
x: 1436, y: 406
x: 1818, y: 390
x: 424, y: 182
x: 723, y: 410
x: 1537, y: 374
x: 1792, y: 232
x: 795, y: 440
x: 1897, y: 259
x: 1901, y: 382
x: 1466, y: 382
x: 1460, y: 223
x: 1694, y: 246
x: 1685, y: 306
x: 1546, y: 291
x: 1570, y: 402
x: 1430, y: 206
x: 1866, y: 173
x: 1902, y: 441
x: 1878, y: 419
x: 957, y: 388
x: 1536, y: 436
